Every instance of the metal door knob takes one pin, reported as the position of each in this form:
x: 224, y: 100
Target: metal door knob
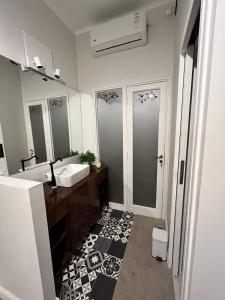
x: 159, y: 157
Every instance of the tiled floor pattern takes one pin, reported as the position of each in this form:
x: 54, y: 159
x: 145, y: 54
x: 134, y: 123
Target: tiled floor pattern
x: 93, y: 272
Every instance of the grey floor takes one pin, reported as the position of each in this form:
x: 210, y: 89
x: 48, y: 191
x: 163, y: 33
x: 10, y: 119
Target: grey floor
x: 142, y: 277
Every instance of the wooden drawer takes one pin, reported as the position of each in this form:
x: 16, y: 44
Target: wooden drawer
x: 57, y: 213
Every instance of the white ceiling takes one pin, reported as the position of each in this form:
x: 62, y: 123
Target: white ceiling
x: 80, y: 15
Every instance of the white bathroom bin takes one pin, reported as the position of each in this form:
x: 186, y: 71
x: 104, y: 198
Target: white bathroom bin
x: 159, y: 244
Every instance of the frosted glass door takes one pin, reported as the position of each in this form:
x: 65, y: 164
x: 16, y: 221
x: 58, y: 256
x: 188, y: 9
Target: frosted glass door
x: 110, y: 132
x: 38, y: 134
x: 60, y: 126
x: 146, y: 119
x: 145, y: 146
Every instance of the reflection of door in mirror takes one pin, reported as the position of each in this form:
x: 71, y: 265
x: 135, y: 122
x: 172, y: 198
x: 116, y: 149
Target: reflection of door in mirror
x: 58, y: 111
x: 48, y: 128
x: 37, y: 130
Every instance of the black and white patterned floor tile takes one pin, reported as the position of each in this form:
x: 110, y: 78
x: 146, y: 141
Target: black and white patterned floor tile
x: 94, y: 270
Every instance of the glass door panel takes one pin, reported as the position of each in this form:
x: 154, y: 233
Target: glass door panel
x: 146, y: 105
x: 60, y: 126
x: 110, y: 132
x: 145, y: 136
x: 37, y: 130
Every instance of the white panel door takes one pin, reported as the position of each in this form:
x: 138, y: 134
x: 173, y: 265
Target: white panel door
x: 145, y: 136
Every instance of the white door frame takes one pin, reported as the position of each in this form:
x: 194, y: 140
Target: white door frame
x: 184, y: 126
x: 206, y: 37
x: 143, y: 210
x: 164, y: 80
x: 189, y: 27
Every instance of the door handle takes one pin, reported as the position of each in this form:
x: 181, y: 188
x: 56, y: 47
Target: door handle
x: 31, y: 152
x: 160, y: 159
x: 182, y: 167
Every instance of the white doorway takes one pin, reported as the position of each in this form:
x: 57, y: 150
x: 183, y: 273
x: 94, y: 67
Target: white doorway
x: 132, y: 128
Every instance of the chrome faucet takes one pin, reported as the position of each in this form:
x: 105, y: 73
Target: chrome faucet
x: 52, y: 183
x: 27, y: 159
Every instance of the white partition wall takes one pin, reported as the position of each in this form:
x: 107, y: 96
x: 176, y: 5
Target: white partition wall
x: 25, y: 258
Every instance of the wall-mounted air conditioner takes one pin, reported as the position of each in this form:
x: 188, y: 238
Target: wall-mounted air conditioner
x: 119, y: 34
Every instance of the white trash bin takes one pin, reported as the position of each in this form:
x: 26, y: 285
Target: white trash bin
x: 159, y: 244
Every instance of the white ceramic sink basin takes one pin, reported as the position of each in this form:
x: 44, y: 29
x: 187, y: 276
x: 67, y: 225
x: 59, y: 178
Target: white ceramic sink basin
x: 70, y: 174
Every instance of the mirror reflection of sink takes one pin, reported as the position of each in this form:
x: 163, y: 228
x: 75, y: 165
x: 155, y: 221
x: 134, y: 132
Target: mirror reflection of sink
x: 69, y: 175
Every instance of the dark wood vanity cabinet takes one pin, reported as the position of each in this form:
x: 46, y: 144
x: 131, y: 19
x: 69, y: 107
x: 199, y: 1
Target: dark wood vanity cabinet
x: 71, y: 212
x: 81, y: 215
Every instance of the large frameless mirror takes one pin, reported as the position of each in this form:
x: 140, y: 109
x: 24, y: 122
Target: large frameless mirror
x: 39, y: 119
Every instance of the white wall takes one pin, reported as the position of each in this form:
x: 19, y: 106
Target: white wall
x: 208, y: 270
x: 139, y: 65
x: 37, y: 18
x: 25, y: 258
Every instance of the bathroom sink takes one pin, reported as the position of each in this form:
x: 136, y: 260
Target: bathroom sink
x: 70, y: 174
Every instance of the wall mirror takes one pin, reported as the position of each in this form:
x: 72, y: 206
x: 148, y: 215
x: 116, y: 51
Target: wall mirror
x: 37, y: 118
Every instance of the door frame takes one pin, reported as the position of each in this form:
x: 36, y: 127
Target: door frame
x: 167, y: 80
x: 206, y: 36
x: 183, y: 150
x: 143, y: 210
x: 194, y: 8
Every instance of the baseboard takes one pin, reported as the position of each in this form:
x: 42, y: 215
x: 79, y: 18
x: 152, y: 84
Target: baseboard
x: 117, y: 206
x: 145, y: 211
x: 166, y: 222
x: 6, y: 295
x: 176, y: 287
x: 169, y: 255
